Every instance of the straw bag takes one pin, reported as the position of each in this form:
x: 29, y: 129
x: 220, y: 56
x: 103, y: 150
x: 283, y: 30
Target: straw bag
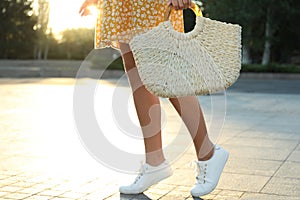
x: 203, y: 61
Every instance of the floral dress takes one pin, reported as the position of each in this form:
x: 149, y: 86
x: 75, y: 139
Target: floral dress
x: 120, y: 20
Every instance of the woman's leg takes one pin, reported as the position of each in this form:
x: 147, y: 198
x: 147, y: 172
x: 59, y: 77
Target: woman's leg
x: 191, y: 113
x: 148, y: 110
x: 211, y: 158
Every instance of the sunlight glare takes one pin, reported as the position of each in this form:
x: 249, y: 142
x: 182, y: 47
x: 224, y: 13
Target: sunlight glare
x: 64, y: 14
x: 93, y: 10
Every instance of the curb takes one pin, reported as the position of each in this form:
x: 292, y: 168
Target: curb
x: 66, y: 68
x: 52, y: 68
x: 269, y: 76
x: 43, y: 72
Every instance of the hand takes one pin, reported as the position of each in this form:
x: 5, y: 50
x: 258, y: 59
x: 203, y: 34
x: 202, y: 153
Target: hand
x: 180, y: 4
x: 84, y: 11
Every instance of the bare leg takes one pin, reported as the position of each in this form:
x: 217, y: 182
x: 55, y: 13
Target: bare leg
x: 148, y: 110
x: 191, y: 113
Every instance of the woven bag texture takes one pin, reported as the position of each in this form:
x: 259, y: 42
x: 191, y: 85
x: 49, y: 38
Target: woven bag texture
x: 203, y: 61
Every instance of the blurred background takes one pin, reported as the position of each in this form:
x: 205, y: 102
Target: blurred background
x: 54, y: 30
x: 41, y: 155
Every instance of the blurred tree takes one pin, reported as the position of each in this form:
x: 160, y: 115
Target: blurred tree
x: 268, y: 25
x: 42, y: 43
x: 77, y: 43
x: 17, y: 36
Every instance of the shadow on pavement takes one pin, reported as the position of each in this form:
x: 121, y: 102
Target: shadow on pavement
x: 130, y: 196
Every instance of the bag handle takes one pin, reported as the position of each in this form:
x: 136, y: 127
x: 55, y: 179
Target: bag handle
x: 194, y: 7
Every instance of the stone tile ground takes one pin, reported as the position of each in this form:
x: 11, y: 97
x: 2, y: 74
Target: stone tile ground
x: 42, y: 157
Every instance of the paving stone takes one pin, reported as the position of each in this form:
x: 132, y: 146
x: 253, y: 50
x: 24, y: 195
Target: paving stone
x: 184, y: 162
x: 251, y: 166
x: 141, y: 197
x: 86, y: 188
x: 102, y: 193
x: 10, y: 188
x: 247, y: 119
x: 175, y: 196
x: 260, y: 153
x: 119, y: 196
x: 2, y: 193
x: 230, y: 193
x: 206, y: 197
x: 51, y: 193
x: 38, y: 197
x: 263, y: 143
x: 161, y: 188
x: 150, y: 195
x: 278, y: 128
x: 177, y: 179
x: 289, y: 119
x: 180, y: 192
x: 218, y: 197
x: 253, y: 133
x: 289, y: 170
x: 258, y: 136
x: 6, y: 182
x: 16, y: 195
x: 10, y: 173
x: 73, y: 195
x: 283, y: 186
x: 237, y: 126
x: 163, y: 185
x: 23, y: 184
x: 254, y: 196
x: 30, y: 191
x: 34, y: 189
x: 96, y: 195
x: 209, y: 196
x: 227, y: 134
x: 242, y: 182
x: 2, y: 176
x: 295, y: 156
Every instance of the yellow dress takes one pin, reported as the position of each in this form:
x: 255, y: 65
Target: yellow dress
x: 120, y: 20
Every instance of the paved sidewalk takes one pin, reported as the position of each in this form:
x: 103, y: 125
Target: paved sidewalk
x: 42, y: 157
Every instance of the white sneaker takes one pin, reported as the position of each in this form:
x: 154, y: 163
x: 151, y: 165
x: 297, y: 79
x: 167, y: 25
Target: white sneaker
x: 148, y: 176
x: 209, y: 172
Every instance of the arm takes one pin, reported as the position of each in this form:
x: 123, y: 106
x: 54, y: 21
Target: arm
x: 84, y: 11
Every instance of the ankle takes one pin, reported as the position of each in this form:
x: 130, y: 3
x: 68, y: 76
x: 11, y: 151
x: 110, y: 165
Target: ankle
x: 207, y: 155
x: 155, y: 160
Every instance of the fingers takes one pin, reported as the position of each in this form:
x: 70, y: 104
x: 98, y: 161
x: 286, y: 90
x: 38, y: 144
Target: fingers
x: 188, y: 3
x: 180, y: 4
x: 84, y: 11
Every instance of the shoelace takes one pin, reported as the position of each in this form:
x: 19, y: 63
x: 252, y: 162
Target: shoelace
x: 200, y: 171
x: 141, y: 172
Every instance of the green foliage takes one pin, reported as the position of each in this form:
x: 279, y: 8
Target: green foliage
x: 271, y: 68
x: 16, y: 25
x: 19, y: 39
x: 75, y: 44
x: 283, y: 17
x: 103, y: 58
